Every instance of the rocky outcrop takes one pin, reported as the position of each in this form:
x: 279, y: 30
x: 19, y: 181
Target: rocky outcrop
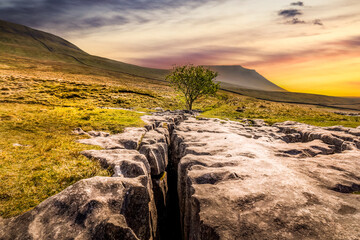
x: 96, y: 208
x: 287, y: 181
x: 181, y: 177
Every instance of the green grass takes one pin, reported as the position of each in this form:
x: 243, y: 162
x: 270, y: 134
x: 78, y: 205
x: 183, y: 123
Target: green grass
x: 226, y: 107
x: 78, y: 94
x: 48, y: 159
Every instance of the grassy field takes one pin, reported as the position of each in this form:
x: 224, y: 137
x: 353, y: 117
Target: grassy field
x: 57, y: 92
x: 236, y: 107
x: 38, y: 152
x: 39, y: 108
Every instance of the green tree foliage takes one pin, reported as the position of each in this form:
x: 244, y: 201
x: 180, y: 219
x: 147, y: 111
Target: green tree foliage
x: 193, y: 82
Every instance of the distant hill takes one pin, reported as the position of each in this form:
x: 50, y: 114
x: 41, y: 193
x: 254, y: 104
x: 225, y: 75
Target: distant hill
x: 30, y: 45
x: 244, y: 78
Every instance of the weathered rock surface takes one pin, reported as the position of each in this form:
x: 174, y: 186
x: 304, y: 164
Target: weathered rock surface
x: 234, y: 181
x: 307, y: 149
x: 154, y: 146
x: 130, y: 139
x: 339, y: 137
x: 289, y: 181
x: 124, y: 162
x: 95, y: 208
x: 157, y: 155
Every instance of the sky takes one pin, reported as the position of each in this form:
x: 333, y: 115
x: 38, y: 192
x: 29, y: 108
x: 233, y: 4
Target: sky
x: 303, y: 46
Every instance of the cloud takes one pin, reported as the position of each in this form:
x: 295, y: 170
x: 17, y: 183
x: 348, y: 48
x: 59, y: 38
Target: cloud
x: 203, y: 56
x: 353, y: 42
x: 289, y: 13
x: 318, y: 22
x: 82, y: 14
x: 219, y: 55
x: 347, y: 47
x: 301, y: 4
x: 296, y: 21
x: 292, y: 13
x: 102, y: 21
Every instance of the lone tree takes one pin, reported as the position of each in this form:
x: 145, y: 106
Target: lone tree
x: 193, y: 82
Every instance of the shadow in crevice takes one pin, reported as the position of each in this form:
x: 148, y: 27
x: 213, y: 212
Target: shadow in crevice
x: 346, y: 189
x: 170, y: 227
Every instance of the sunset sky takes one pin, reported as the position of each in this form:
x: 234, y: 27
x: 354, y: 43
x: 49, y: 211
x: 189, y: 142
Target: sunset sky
x: 305, y: 46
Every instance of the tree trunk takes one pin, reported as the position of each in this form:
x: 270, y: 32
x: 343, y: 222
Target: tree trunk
x: 189, y: 107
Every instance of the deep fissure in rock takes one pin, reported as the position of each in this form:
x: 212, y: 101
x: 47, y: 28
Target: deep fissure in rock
x: 169, y: 222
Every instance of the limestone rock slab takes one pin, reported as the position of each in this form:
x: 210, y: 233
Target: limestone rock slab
x: 124, y: 162
x: 96, y: 208
x: 129, y: 139
x: 157, y: 156
x: 234, y: 184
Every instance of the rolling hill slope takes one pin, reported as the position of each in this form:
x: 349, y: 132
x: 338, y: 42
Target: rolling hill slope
x: 22, y: 41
